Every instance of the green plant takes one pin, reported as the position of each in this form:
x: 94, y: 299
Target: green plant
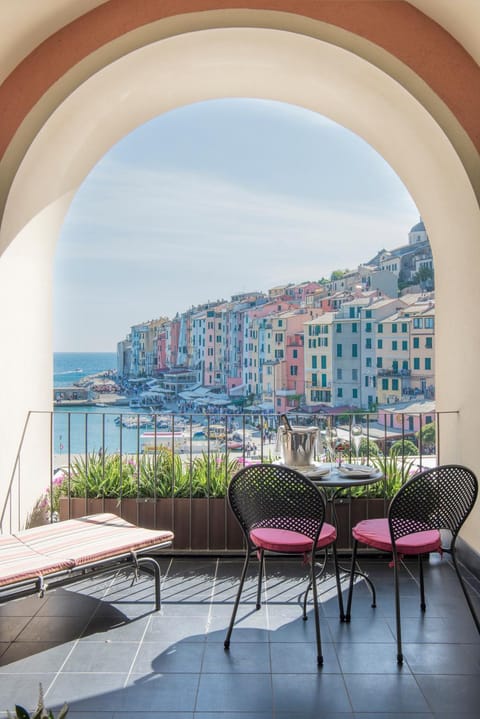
x: 162, y: 474
x: 212, y: 472
x: 395, y: 469
x: 404, y: 447
x: 103, y: 475
x: 39, y: 713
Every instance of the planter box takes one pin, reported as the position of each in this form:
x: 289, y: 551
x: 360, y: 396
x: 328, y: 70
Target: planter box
x: 198, y: 524
x: 209, y: 524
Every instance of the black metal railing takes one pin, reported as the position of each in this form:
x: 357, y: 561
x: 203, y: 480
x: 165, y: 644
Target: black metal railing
x: 172, y: 471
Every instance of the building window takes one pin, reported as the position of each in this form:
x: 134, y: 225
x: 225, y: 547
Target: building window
x: 384, y: 383
x: 324, y: 380
x: 323, y: 361
x: 404, y: 345
x: 418, y: 323
x: 293, y: 370
x: 428, y: 363
x: 368, y: 362
x: 339, y: 391
x: 339, y: 373
x: 368, y: 314
x: 394, y: 345
x: 368, y: 343
x: 339, y: 328
x: 354, y: 350
x: 380, y: 344
x: 416, y: 363
x: 380, y: 328
x: 404, y: 327
x: 354, y: 393
x: 368, y: 327
x: 428, y: 343
x: 395, y: 384
x: 394, y: 327
x: 314, y: 361
x: 429, y: 323
x: 295, y: 354
x: 339, y: 350
x: 354, y: 375
x: 314, y: 380
x: 379, y: 362
x: 354, y: 327
x: 416, y: 343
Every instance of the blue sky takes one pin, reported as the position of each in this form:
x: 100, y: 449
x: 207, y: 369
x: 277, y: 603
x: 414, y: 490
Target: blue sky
x: 213, y: 199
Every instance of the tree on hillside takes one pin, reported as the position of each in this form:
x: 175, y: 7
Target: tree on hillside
x: 338, y: 274
x: 404, y: 448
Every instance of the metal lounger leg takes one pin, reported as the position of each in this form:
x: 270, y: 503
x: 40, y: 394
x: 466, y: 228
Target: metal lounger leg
x: 157, y: 576
x: 260, y: 575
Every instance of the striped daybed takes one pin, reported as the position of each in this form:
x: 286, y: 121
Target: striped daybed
x: 58, y: 553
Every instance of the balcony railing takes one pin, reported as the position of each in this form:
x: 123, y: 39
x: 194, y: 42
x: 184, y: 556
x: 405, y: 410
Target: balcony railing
x: 173, y: 471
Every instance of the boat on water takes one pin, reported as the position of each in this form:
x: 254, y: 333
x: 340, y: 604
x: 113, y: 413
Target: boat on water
x: 153, y: 439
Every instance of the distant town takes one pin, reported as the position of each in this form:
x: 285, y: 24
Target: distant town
x: 358, y: 340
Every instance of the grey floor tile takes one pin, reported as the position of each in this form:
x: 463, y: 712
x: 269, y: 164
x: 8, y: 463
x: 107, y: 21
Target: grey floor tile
x: 108, y: 629
x: 235, y: 692
x: 307, y: 693
x: 41, y: 629
x: 175, y: 629
x: 384, y: 692
x: 301, y: 658
x: 11, y: 627
x: 33, y: 657
x: 112, y: 657
x: 164, y: 657
x: 87, y: 692
x: 369, y: 658
x: 452, y: 694
x: 436, y: 658
x: 242, y: 658
x: 160, y: 692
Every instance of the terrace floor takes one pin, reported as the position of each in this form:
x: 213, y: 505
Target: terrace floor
x: 98, y: 646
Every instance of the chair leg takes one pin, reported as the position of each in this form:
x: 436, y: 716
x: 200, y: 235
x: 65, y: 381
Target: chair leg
x: 397, y: 607
x: 226, y: 643
x: 260, y: 576
x: 352, y: 577
x: 464, y: 589
x: 339, y: 585
x: 316, y: 613
x: 423, y: 605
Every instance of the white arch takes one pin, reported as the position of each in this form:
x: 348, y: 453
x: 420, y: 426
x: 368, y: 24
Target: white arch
x: 236, y: 62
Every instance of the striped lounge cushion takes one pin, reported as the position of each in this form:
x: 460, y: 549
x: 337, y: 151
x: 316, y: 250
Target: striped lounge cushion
x: 92, y: 539
x: 19, y: 563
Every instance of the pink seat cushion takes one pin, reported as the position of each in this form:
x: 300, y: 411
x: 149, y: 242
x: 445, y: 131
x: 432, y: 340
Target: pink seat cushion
x: 285, y: 540
x: 375, y: 533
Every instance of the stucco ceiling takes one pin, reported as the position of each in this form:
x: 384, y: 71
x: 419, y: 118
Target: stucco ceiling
x: 29, y: 22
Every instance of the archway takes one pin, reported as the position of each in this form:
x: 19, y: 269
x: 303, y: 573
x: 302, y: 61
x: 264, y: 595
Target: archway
x: 427, y: 154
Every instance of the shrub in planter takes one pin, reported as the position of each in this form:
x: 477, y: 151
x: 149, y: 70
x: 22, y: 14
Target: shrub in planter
x: 39, y: 713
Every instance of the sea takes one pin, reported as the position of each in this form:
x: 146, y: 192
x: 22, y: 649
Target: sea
x: 82, y: 430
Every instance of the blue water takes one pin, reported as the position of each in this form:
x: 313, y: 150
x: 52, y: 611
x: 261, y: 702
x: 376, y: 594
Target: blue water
x: 69, y: 367
x: 87, y: 429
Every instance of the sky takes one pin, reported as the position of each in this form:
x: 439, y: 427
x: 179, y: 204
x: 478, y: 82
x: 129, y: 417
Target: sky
x: 214, y: 199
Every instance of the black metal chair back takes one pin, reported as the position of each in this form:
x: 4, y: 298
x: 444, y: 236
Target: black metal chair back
x: 439, y: 498
x: 268, y: 495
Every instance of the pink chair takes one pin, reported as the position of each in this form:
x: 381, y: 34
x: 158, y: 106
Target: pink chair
x: 281, y: 510
x: 434, y: 500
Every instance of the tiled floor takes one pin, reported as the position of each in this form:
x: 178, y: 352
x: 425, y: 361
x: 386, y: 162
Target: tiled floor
x: 98, y: 646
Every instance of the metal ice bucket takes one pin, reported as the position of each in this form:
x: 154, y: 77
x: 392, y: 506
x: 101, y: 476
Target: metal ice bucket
x: 298, y: 445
